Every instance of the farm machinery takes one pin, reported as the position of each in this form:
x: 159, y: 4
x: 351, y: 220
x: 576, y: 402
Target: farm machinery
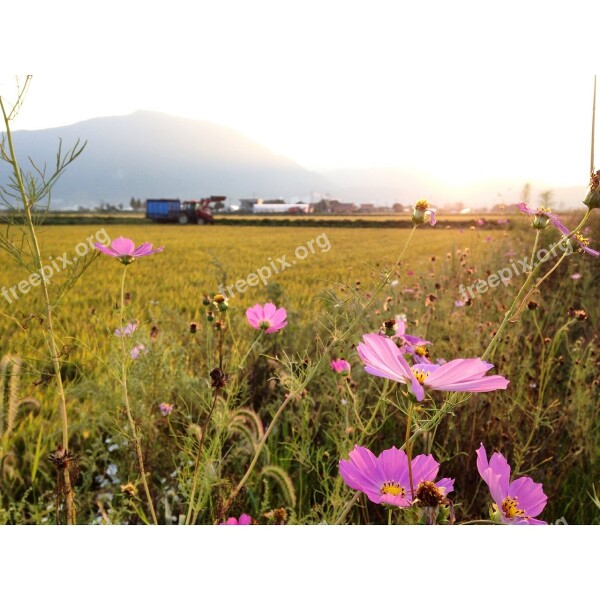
x: 176, y: 211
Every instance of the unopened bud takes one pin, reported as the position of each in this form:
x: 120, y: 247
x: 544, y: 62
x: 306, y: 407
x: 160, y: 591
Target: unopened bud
x: 541, y: 221
x: 592, y: 200
x: 390, y: 327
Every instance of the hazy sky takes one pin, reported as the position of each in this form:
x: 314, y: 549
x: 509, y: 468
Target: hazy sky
x: 465, y: 90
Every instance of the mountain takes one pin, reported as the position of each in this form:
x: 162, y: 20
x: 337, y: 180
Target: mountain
x: 153, y: 155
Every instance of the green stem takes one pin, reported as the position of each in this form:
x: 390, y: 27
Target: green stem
x: 132, y: 425
x: 535, y: 243
x: 243, y: 361
x: 347, y: 508
x: 407, y: 447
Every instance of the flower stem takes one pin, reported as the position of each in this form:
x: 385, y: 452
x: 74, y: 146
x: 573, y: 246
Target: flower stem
x: 535, y: 243
x: 347, y: 508
x: 132, y: 425
x: 243, y: 361
x: 407, y: 447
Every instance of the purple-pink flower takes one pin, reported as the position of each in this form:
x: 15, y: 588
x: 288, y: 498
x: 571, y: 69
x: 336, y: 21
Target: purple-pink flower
x: 267, y: 318
x: 341, y: 366
x: 243, y: 520
x: 137, y: 351
x: 517, y: 502
x: 385, y: 479
x: 165, y: 409
x: 383, y: 358
x: 124, y: 250
x: 127, y: 330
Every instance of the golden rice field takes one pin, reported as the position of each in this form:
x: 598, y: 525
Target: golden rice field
x: 196, y: 259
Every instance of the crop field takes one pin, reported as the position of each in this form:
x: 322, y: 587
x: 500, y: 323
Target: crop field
x: 157, y: 369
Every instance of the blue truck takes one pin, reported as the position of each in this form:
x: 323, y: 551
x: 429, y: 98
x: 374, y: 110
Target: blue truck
x: 167, y: 210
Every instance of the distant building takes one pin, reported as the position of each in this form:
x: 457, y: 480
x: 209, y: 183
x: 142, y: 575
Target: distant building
x: 336, y: 207
x: 290, y: 209
x: 247, y: 204
x: 366, y: 208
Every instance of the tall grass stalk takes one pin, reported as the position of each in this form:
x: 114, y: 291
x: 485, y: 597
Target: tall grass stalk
x: 28, y: 201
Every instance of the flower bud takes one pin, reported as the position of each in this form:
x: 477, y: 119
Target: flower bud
x: 592, y: 200
x: 540, y: 221
x: 418, y: 215
x: 221, y: 302
x: 390, y: 328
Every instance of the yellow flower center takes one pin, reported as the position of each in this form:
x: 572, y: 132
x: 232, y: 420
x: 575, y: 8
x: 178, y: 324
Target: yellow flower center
x: 582, y: 240
x: 422, y: 205
x: 264, y: 325
x: 393, y: 488
x: 510, y: 507
x: 421, y: 351
x: 420, y: 375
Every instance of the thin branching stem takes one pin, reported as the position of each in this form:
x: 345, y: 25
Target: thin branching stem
x: 132, y: 425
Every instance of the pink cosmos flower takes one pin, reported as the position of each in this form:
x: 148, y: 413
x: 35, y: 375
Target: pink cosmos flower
x: 124, y: 250
x: 137, y: 351
x: 127, y: 330
x: 517, y: 502
x: 243, y: 520
x: 385, y: 479
x: 383, y: 358
x: 546, y: 214
x: 165, y: 409
x: 268, y: 318
x: 576, y: 276
x: 341, y: 366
